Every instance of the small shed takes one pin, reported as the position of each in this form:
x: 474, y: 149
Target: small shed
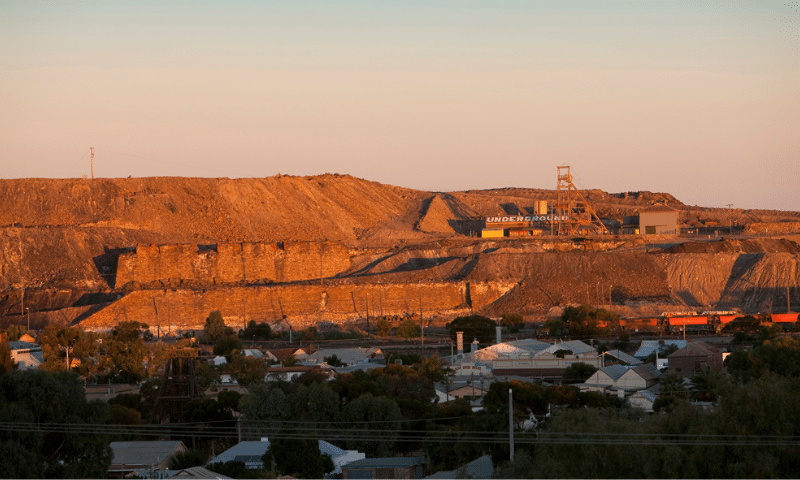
x: 658, y: 219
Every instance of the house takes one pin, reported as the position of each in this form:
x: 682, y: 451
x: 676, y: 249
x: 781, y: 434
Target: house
x: 27, y: 355
x: 253, y: 353
x: 471, y: 369
x: 651, y: 346
x: 186, y: 473
x: 130, y: 457
x: 198, y: 472
x: 289, y: 373
x: 638, y: 378
x: 515, y: 348
x: 280, y: 354
x: 644, y: 399
x: 109, y: 391
x: 387, y: 467
x: 348, y: 356
x: 27, y: 338
x: 469, y: 390
x: 604, y: 379
x: 542, y: 365
x: 481, y: 467
x: 219, y: 360
x: 618, y: 356
x: 694, y: 358
x: 250, y: 453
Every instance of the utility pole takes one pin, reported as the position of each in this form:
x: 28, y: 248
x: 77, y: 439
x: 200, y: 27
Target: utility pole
x: 511, y: 425
x: 92, y: 150
x: 29, y: 319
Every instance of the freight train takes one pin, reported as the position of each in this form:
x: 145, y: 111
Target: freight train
x: 705, y: 322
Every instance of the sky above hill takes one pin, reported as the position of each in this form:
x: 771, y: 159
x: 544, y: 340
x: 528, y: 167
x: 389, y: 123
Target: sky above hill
x: 697, y: 98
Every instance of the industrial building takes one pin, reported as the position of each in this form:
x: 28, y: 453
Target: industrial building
x: 658, y: 219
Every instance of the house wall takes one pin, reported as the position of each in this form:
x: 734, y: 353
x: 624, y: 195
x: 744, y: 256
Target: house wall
x: 664, y: 223
x: 687, y: 366
x: 632, y: 381
x: 600, y: 378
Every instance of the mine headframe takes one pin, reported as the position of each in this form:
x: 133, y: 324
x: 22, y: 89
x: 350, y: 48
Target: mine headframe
x: 178, y: 386
x: 574, y: 215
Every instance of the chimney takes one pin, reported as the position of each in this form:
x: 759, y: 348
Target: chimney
x: 497, y: 330
x: 475, y: 345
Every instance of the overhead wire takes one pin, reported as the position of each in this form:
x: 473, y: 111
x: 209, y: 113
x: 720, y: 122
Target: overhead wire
x: 453, y: 436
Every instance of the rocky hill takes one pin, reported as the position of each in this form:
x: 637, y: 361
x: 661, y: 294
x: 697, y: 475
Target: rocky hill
x: 73, y: 250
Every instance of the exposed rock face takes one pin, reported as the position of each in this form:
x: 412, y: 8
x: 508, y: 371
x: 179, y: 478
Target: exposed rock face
x: 231, y: 263
x: 297, y: 305
x: 101, y: 251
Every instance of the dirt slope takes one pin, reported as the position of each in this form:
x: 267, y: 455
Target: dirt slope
x: 60, y: 239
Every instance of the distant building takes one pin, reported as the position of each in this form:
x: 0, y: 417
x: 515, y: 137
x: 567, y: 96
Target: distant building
x: 389, y: 467
x: 694, y: 358
x: 142, y: 455
x: 658, y: 220
x: 27, y: 355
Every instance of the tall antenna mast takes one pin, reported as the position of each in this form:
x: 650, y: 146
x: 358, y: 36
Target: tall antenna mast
x: 92, y: 150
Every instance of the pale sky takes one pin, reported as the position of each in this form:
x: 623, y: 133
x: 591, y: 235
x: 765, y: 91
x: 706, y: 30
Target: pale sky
x: 697, y: 98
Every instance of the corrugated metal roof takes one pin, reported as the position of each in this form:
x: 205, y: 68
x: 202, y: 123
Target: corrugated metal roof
x: 620, y: 355
x: 615, y: 371
x: 649, y: 346
x: 143, y: 452
x: 479, y: 468
x: 658, y: 208
x: 385, y: 462
x: 648, y: 371
x: 696, y: 349
x: 575, y: 346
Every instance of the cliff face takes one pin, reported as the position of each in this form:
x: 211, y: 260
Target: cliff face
x: 72, y: 249
x: 298, y: 305
x: 231, y: 263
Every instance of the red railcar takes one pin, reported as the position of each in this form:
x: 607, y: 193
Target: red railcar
x: 694, y: 320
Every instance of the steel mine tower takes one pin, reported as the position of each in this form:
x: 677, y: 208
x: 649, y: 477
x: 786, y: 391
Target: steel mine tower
x: 574, y: 214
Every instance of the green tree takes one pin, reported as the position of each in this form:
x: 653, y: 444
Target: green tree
x: 384, y: 327
x: 408, y: 329
x: 257, y: 331
x: 187, y: 459
x: 333, y: 361
x: 578, y: 372
x: 227, y: 344
x: 126, y: 351
x: 35, y: 400
x: 6, y: 363
x: 246, y: 370
x: 264, y: 409
x: 300, y: 458
x: 587, y: 321
x: 473, y: 326
x: 378, y: 421
x: 555, y: 327
x: 512, y: 320
x: 215, y: 327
